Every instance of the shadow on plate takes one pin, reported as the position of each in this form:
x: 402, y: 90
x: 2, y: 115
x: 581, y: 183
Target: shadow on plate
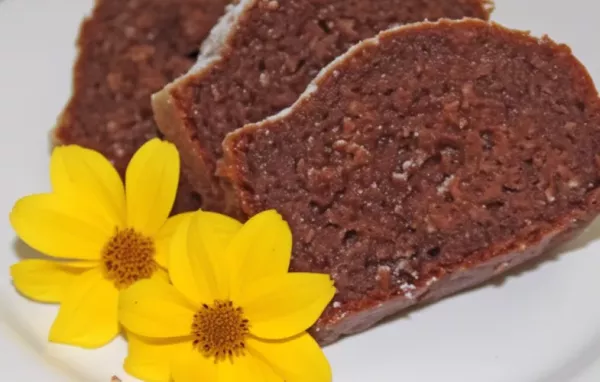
x: 578, y: 364
x: 25, y: 252
x: 591, y: 234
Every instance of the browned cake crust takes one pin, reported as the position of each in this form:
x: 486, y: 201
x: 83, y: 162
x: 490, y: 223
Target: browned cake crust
x: 263, y: 62
x: 425, y: 161
x: 129, y: 49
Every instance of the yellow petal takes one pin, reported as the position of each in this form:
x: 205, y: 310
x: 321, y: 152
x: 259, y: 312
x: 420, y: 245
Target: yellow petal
x: 194, y: 264
x: 150, y: 185
x: 155, y: 309
x: 298, y: 359
x: 88, y: 313
x: 161, y: 274
x: 245, y: 368
x: 210, y: 236
x: 191, y: 272
x: 45, y: 280
x: 189, y: 365
x: 165, y: 235
x: 262, y: 248
x: 282, y: 307
x: 267, y: 373
x: 150, y: 359
x: 53, y: 226
x: 87, y: 177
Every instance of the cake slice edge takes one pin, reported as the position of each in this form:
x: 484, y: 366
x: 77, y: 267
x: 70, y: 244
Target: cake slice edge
x: 497, y: 260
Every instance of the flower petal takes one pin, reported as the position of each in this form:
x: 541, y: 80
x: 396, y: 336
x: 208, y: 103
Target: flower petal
x: 161, y: 275
x: 210, y: 236
x: 196, y: 247
x: 88, y: 314
x: 45, y: 280
x: 297, y: 359
x: 267, y: 373
x: 155, y: 309
x: 282, y: 307
x: 189, y: 365
x: 262, y: 248
x: 246, y: 368
x: 191, y: 272
x: 151, y: 183
x: 87, y: 177
x: 165, y: 235
x: 53, y: 226
x: 150, y: 359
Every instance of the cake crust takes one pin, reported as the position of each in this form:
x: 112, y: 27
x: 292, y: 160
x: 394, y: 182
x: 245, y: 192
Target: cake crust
x: 425, y: 161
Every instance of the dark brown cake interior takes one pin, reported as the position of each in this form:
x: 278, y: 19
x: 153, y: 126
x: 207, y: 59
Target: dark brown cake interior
x: 278, y: 47
x: 423, y: 151
x: 130, y: 49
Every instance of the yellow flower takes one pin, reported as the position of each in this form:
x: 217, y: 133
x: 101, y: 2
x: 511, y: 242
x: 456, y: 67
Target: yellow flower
x: 103, y: 237
x: 233, y: 313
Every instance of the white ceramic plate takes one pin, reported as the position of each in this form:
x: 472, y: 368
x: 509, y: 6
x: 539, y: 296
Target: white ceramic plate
x: 541, y: 324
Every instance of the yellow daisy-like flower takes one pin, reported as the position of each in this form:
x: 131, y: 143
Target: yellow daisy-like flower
x: 233, y: 312
x: 104, y: 237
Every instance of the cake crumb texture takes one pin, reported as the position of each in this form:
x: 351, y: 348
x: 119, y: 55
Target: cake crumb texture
x: 264, y: 61
x: 449, y: 151
x: 129, y: 49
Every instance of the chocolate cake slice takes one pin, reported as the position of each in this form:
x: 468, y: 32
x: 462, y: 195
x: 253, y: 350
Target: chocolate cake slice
x: 129, y: 49
x: 426, y: 161
x: 259, y: 59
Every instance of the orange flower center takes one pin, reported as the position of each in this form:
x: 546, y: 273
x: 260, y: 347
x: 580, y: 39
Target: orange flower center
x: 128, y: 257
x: 220, y: 330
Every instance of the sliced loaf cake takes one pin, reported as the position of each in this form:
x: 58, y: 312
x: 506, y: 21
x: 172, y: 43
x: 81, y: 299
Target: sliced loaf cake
x: 129, y: 49
x: 260, y: 58
x: 423, y: 162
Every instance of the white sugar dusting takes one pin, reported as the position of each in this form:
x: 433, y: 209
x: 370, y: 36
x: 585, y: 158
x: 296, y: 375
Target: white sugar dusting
x: 399, y: 176
x: 401, y: 266
x: 430, y: 227
x: 211, y: 48
x: 416, y: 162
x: 382, y: 270
x: 312, y: 87
x: 407, y: 289
x: 337, y: 304
x: 340, y: 143
x: 264, y: 79
x: 550, y: 194
x: 407, y: 165
x: 443, y: 188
